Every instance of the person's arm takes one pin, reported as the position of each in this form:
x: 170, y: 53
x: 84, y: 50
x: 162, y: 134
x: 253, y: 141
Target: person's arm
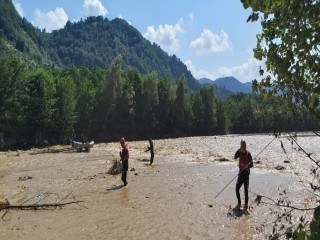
x: 148, y: 149
x: 237, y: 154
x: 126, y: 157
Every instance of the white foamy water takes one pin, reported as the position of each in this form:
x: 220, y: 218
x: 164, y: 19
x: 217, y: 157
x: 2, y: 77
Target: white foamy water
x: 172, y: 199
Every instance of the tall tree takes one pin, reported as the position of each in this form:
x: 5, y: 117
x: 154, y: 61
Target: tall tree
x: 165, y: 107
x: 40, y: 103
x: 180, y: 106
x: 221, y: 117
x: 290, y: 45
x: 198, y: 112
x: 209, y: 116
x: 151, y: 101
x: 12, y: 90
x: 65, y: 106
x: 136, y: 81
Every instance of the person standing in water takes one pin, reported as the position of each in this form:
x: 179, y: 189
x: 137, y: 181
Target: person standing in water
x: 150, y: 148
x: 124, y: 155
x: 245, y: 163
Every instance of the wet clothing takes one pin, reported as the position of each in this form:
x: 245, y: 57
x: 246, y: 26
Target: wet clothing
x: 245, y: 163
x: 150, y: 148
x: 243, y: 178
x: 245, y: 160
x: 124, y: 154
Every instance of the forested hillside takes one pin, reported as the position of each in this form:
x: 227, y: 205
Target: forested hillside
x: 90, y: 43
x: 104, y: 79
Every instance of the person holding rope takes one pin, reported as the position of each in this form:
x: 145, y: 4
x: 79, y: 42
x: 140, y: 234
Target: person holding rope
x: 124, y: 155
x: 245, y: 163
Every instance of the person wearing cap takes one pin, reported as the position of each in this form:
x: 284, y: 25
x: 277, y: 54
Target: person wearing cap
x: 124, y: 155
x: 150, y: 148
x: 245, y: 163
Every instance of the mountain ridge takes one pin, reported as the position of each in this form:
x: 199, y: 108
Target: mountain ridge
x: 229, y: 83
x: 93, y: 42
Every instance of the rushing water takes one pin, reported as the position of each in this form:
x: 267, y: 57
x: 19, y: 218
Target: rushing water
x: 176, y: 198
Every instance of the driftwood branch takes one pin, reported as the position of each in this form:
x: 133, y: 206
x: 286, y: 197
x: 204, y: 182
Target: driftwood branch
x: 6, y: 206
x: 37, y: 206
x: 116, y: 168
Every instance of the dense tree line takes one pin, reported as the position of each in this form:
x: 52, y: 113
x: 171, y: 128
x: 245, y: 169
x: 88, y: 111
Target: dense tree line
x: 51, y: 105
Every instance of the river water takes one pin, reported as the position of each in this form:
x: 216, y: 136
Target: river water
x: 175, y: 198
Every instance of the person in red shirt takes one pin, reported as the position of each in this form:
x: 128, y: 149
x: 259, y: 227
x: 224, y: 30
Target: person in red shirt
x: 245, y: 163
x: 124, y: 155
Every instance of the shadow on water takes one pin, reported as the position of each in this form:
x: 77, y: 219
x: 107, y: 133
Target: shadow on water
x: 237, y: 212
x: 115, y: 188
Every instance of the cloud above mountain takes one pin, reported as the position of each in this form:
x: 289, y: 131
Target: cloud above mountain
x: 244, y: 72
x: 51, y: 20
x: 94, y: 8
x: 166, y: 35
x: 209, y: 42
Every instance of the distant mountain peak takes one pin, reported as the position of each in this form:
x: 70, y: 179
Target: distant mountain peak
x: 230, y: 83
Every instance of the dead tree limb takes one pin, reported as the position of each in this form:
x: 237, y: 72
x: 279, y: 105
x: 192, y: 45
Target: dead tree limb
x: 274, y: 202
x: 6, y: 206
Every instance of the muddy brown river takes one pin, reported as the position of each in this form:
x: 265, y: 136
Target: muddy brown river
x: 176, y: 198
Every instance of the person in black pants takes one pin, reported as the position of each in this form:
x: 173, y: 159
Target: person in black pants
x: 150, y: 148
x: 124, y: 155
x: 245, y: 163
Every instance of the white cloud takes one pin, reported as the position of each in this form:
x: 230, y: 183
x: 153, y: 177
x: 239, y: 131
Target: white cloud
x: 166, y: 35
x: 19, y: 9
x: 201, y: 73
x: 209, y: 42
x: 94, y: 8
x: 51, y: 20
x: 245, y: 72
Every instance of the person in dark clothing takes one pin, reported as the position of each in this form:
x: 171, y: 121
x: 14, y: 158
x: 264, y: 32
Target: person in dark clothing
x: 150, y: 148
x: 245, y: 163
x: 124, y: 155
x: 83, y: 138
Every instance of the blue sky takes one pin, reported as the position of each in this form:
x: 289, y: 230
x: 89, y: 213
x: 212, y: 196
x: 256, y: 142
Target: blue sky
x: 211, y: 37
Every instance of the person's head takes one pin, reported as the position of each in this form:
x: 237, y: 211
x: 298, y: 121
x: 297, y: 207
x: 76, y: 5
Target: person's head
x: 122, y: 141
x: 150, y: 140
x: 243, y: 144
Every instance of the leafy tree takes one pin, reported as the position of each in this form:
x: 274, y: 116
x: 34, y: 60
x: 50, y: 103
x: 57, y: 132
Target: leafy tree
x: 138, y: 106
x: 221, y: 117
x: 290, y: 45
x: 65, y: 106
x: 180, y: 107
x: 165, y: 107
x: 198, y: 113
x: 40, y: 103
x: 12, y: 70
x: 209, y: 115
x: 151, y: 101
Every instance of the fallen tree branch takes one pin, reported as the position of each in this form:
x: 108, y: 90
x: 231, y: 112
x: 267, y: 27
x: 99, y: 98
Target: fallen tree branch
x: 37, y: 206
x: 259, y: 198
x: 6, y: 206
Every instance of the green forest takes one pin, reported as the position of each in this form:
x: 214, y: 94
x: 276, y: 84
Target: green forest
x: 103, y: 79
x: 50, y: 106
